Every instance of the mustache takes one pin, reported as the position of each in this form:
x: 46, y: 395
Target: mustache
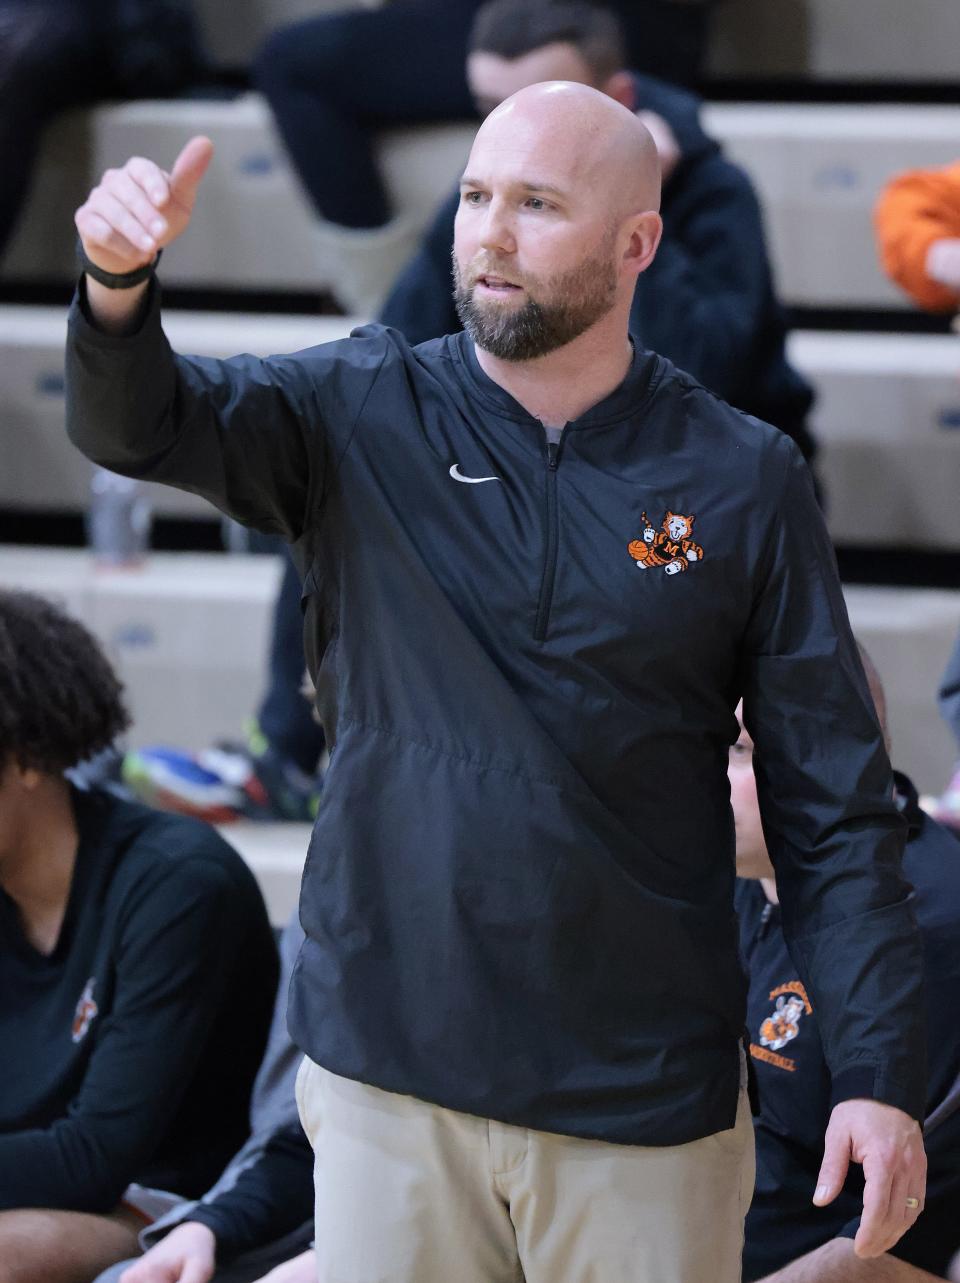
x: 489, y: 267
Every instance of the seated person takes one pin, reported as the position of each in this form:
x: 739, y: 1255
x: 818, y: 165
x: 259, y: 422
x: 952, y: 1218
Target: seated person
x: 917, y: 220
x: 706, y: 302
x: 259, y: 1214
x: 789, y: 1238
x: 137, y: 974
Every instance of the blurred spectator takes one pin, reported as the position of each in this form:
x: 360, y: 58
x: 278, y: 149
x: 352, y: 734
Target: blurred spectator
x: 788, y: 1239
x: 137, y: 974
x: 260, y: 1212
x: 56, y: 54
x: 706, y: 302
x: 333, y: 80
x: 918, y: 235
x: 918, y: 231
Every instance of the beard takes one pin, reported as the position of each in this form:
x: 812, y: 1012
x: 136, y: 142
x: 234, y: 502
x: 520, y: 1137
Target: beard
x: 557, y: 310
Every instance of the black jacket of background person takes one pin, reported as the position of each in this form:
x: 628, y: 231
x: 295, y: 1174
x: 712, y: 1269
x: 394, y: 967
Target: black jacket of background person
x: 518, y: 899
x: 706, y: 302
x: 794, y: 1081
x: 129, y: 1052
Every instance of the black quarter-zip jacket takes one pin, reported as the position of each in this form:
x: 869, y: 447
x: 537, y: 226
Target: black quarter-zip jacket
x: 518, y: 898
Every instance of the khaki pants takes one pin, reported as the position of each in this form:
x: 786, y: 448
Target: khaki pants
x: 407, y: 1192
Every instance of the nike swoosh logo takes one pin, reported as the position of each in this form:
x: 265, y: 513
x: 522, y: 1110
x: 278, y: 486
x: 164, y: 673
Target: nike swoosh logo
x: 471, y: 481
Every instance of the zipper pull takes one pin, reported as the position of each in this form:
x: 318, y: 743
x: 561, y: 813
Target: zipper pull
x: 553, y: 451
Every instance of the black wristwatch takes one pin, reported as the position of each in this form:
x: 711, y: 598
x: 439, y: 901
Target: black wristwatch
x: 116, y: 280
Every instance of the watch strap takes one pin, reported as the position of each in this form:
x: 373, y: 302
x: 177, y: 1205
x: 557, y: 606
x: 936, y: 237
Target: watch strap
x: 116, y: 280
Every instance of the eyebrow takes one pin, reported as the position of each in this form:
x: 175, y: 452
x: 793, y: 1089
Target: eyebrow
x: 550, y: 188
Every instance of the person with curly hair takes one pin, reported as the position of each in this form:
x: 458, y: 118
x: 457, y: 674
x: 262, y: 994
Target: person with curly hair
x: 131, y: 1030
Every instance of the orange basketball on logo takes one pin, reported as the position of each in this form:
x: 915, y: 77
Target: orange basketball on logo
x: 638, y: 550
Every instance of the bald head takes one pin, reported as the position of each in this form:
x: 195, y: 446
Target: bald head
x: 592, y: 143
x: 557, y: 218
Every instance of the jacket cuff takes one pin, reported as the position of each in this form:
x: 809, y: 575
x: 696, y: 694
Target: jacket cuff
x: 865, y: 1082
x: 80, y: 320
x: 220, y: 1226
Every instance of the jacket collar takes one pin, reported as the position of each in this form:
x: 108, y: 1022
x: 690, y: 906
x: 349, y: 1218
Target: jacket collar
x: 622, y: 403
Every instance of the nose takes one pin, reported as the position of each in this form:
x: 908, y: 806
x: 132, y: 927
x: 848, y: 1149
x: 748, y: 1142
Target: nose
x: 496, y: 232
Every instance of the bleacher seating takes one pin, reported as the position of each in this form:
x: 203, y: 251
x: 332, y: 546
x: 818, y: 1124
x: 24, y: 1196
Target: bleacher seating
x: 836, y: 40
x: 888, y: 417
x: 42, y: 470
x: 818, y: 169
x: 888, y: 420
x: 188, y: 633
x: 254, y: 228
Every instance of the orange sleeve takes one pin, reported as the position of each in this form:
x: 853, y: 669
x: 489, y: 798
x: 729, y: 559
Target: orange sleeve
x: 914, y: 210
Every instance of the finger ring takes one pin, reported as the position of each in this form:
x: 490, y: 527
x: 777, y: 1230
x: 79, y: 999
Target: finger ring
x: 913, y: 1203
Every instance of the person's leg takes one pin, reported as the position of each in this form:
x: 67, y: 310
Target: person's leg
x: 38, y: 1245
x: 589, y: 1212
x: 285, y: 718
x: 47, y: 62
x: 666, y: 39
x: 403, y: 1189
x: 330, y: 80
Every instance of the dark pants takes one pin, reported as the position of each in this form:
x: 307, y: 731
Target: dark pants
x: 48, y: 61
x: 331, y: 81
x: 56, y: 54
x: 284, y: 716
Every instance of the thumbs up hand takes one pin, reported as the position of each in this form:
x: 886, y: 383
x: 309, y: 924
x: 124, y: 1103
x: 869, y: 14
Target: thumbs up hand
x: 135, y: 211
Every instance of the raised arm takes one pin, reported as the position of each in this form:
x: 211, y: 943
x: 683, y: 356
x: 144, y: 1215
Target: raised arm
x: 254, y: 436
x: 128, y: 218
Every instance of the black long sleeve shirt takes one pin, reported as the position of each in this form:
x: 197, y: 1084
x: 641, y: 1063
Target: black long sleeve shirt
x: 518, y: 899
x: 128, y: 1053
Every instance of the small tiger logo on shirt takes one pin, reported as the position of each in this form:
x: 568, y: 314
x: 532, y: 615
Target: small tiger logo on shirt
x: 85, y: 1013
x: 782, y: 1025
x: 671, y: 547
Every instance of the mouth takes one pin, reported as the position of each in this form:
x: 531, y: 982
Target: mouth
x: 490, y: 283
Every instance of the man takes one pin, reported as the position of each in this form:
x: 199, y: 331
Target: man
x: 789, y: 1240
x: 137, y: 971
x: 706, y: 302
x: 541, y: 565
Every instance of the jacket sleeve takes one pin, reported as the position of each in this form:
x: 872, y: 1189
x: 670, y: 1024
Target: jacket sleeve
x: 712, y: 270
x: 172, y: 973
x: 272, y: 1197
x: 255, y: 436
x: 831, y: 823
x: 420, y: 305
x: 913, y: 211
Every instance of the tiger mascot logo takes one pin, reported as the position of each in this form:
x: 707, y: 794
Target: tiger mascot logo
x: 670, y: 547
x: 783, y: 1025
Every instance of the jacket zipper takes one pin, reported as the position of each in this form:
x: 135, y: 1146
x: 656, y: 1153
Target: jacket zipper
x: 552, y: 530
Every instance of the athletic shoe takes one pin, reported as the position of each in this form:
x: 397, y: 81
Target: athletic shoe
x: 222, y: 784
